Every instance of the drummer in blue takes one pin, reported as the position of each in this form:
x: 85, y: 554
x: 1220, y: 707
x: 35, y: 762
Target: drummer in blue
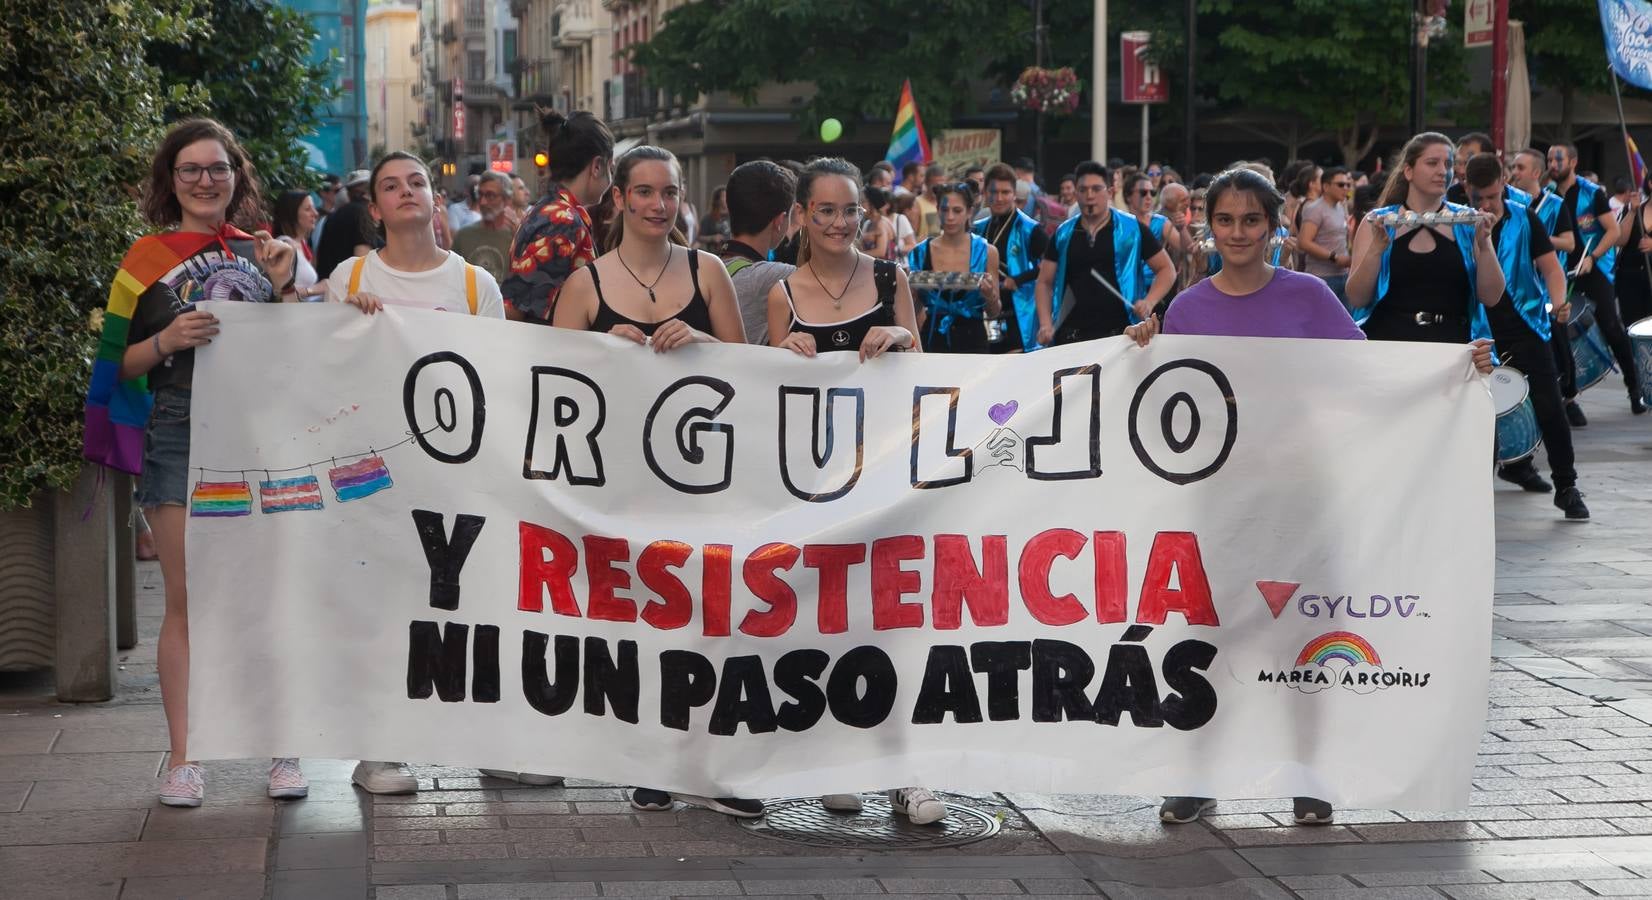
x: 1520, y: 325
x: 1098, y: 256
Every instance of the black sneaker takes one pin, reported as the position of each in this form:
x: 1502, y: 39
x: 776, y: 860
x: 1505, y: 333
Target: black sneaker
x: 1637, y: 405
x: 1182, y: 810
x: 650, y: 800
x: 728, y: 806
x: 1574, y: 414
x: 1570, y: 500
x: 1525, y: 474
x: 1308, y: 811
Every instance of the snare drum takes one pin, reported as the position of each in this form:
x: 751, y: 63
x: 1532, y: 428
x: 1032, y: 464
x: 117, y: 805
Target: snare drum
x: 1591, y: 361
x: 1640, y: 337
x: 1517, y: 432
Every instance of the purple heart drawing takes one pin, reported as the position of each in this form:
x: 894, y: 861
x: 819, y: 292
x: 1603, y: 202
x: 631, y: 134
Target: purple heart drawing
x: 1003, y: 412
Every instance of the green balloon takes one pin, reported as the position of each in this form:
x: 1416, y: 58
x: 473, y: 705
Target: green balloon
x: 831, y: 130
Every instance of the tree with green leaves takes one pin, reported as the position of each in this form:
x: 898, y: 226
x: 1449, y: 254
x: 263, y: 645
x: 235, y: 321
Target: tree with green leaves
x: 80, y: 112
x: 251, y: 71
x: 855, y: 54
x: 1565, y: 52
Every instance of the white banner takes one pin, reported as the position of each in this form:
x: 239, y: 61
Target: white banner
x: 1221, y: 567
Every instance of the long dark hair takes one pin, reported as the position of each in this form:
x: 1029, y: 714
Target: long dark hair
x: 285, y: 220
x: 160, y: 200
x: 622, y: 183
x: 820, y: 168
x: 1398, y: 185
x: 572, y: 141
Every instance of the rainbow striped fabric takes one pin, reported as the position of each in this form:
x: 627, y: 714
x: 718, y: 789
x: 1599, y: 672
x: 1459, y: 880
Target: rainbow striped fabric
x: 908, y: 143
x: 220, y: 499
x: 118, y: 411
x: 359, y: 479
x: 289, y: 494
x: 1636, y: 164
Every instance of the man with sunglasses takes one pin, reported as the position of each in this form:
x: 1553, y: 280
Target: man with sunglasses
x: 1098, y: 258
x: 1139, y: 196
x: 1324, y: 235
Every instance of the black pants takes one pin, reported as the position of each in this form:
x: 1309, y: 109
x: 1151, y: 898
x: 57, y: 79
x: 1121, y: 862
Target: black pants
x: 1520, y: 347
x: 1560, y: 350
x: 1634, y: 294
x: 1598, y: 289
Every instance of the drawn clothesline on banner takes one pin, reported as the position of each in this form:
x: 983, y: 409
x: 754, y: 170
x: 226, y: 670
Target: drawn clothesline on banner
x: 364, y: 477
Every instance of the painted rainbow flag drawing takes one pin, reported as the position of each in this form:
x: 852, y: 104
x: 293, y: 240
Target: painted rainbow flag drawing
x: 363, y: 478
x: 1344, y: 645
x: 220, y: 499
x: 289, y: 494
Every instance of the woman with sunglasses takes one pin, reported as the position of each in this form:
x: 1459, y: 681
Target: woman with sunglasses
x: 951, y: 320
x: 840, y: 298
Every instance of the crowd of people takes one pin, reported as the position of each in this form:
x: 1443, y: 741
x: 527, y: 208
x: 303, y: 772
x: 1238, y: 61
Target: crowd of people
x: 817, y: 257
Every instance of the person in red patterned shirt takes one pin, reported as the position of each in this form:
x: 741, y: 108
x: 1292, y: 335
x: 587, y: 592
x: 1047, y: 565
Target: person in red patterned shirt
x: 556, y: 237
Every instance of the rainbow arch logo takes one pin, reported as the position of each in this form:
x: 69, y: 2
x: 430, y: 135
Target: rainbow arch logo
x: 1338, y: 645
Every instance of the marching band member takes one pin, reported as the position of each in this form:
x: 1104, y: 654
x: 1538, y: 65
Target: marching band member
x: 1020, y: 244
x: 951, y: 318
x: 1521, y: 326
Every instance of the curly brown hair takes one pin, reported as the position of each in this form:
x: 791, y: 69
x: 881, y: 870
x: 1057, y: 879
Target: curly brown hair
x: 160, y: 201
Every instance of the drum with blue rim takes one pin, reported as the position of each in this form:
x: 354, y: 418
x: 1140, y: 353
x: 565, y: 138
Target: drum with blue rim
x: 1517, y: 432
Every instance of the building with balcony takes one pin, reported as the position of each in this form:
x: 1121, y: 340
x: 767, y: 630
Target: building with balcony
x: 564, y: 62
x: 395, y: 96
x: 470, y: 57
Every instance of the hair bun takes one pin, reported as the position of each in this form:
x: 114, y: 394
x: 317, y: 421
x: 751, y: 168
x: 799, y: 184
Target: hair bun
x: 552, y: 121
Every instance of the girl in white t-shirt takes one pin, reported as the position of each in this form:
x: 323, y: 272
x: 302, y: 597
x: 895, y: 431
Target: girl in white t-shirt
x: 411, y: 270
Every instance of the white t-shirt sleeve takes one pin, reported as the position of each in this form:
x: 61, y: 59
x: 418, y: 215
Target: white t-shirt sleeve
x: 903, y: 228
x: 490, y: 304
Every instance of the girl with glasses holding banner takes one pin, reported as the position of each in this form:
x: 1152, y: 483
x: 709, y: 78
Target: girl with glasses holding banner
x: 840, y: 298
x: 200, y: 182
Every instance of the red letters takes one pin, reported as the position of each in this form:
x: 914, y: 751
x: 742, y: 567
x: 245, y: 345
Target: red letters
x: 986, y: 591
x: 717, y: 575
x: 654, y: 567
x: 1111, y: 572
x: 603, y: 579
x: 890, y: 582
x: 833, y: 562
x: 1178, y: 550
x: 765, y: 585
x: 536, y: 573
x: 1036, y: 559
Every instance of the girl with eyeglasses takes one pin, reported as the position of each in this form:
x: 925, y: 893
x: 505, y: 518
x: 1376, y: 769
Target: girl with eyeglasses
x: 840, y: 298
x: 200, y: 182
x: 951, y: 320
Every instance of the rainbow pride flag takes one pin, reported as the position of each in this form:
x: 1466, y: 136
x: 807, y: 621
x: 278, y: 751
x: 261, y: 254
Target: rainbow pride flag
x: 356, y: 480
x: 1637, y: 164
x: 908, y: 143
x: 220, y: 499
x: 118, y: 411
x: 289, y: 494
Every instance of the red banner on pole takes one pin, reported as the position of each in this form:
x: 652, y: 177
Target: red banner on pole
x: 1143, y: 81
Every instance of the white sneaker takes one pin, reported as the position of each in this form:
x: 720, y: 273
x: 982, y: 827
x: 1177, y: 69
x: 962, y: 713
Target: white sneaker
x: 287, y: 781
x: 523, y: 777
x: 383, y: 778
x: 841, y: 802
x: 185, y: 785
x: 917, y: 804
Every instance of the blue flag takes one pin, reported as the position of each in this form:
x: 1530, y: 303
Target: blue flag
x: 1628, y: 28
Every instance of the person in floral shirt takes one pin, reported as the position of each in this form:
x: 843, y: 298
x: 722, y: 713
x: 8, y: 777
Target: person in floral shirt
x: 556, y: 237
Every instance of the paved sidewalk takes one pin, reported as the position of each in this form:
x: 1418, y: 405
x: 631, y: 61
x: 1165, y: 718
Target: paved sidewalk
x: 1562, y: 803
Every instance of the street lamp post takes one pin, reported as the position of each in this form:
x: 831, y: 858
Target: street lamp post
x: 1098, y: 85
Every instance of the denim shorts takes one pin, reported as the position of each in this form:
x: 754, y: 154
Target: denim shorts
x: 165, y: 478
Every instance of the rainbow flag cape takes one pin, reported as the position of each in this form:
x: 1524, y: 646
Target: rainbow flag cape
x: 118, y: 411
x: 908, y: 143
x: 1637, y: 164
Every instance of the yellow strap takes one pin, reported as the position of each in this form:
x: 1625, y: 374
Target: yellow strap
x: 470, y: 286
x: 355, y: 276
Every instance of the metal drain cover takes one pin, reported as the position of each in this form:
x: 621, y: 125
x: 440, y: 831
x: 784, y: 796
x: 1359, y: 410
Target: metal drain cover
x: 802, y: 820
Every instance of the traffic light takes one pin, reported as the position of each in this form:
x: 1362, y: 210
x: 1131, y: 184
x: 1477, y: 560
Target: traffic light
x: 541, y: 159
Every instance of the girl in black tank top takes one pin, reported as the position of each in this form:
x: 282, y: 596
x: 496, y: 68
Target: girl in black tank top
x: 839, y: 298
x: 1426, y: 291
x: 648, y: 287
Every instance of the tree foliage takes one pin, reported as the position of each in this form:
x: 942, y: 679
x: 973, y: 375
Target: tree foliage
x: 80, y: 111
x: 1565, y: 52
x: 252, y: 72
x: 856, y: 53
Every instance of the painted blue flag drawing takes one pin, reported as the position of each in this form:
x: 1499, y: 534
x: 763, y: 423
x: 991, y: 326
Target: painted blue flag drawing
x: 1628, y: 28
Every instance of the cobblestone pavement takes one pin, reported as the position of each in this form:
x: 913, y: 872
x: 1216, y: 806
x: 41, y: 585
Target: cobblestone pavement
x: 1562, y: 802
